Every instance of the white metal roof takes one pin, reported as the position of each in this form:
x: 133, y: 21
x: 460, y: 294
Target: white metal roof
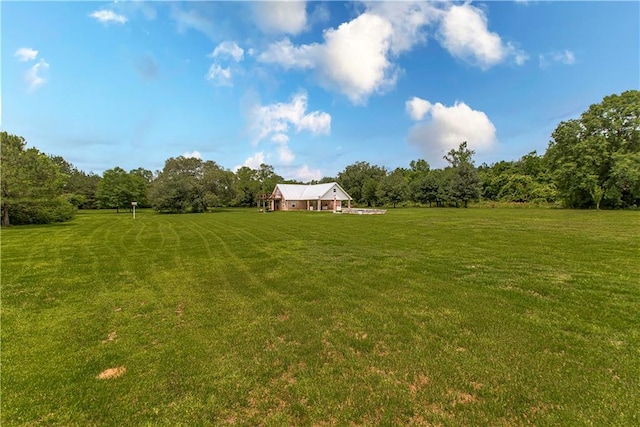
x: 311, y: 192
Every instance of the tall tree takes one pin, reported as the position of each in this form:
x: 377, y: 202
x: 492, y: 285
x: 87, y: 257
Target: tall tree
x: 465, y: 182
x: 32, y: 184
x: 247, y: 187
x: 218, y: 184
x: 424, y: 189
x: 361, y: 180
x: 585, y: 155
x: 393, y: 188
x: 179, y: 188
x: 117, y: 189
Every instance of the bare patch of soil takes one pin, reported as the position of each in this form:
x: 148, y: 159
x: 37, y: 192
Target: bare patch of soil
x: 110, y: 373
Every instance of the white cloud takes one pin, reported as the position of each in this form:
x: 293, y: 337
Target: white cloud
x: 519, y: 56
x: 357, y: 58
x: 278, y: 118
x: 352, y: 60
x: 447, y: 127
x: 280, y: 138
x: 193, y: 154
x: 252, y: 162
x: 283, y: 17
x: 285, y: 154
x: 305, y: 174
x: 565, y: 57
x: 408, y: 20
x: 219, y: 76
x: 285, y: 54
x: 464, y: 33
x: 417, y: 108
x: 228, y: 49
x: 275, y: 121
x: 26, y: 54
x: 192, y: 19
x: 108, y: 16
x: 33, y: 75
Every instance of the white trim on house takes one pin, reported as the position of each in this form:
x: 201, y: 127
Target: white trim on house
x: 319, y: 197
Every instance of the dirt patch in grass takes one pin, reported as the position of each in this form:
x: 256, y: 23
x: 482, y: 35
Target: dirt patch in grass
x: 461, y: 398
x: 110, y: 373
x: 112, y: 337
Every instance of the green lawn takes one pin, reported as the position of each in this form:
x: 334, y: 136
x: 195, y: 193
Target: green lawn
x: 416, y: 317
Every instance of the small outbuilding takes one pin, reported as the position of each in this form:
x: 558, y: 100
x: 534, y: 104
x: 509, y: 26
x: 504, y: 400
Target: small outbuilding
x: 312, y: 197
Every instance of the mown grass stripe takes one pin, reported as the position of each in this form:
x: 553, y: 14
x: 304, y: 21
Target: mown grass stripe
x: 423, y: 316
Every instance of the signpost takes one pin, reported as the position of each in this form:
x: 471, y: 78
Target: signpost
x: 334, y: 200
x: 133, y: 205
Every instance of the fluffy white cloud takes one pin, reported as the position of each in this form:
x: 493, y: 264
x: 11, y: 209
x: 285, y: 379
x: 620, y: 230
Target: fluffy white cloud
x: 353, y: 59
x: 33, y: 75
x: 408, y: 20
x: 193, y: 154
x: 228, y: 49
x: 285, y: 54
x: 417, y: 108
x: 565, y: 57
x: 278, y: 118
x: 26, y: 54
x: 288, y: 17
x: 275, y: 121
x: 253, y: 162
x: 108, y: 16
x: 358, y: 58
x: 447, y: 127
x: 285, y: 154
x: 219, y: 76
x: 464, y: 33
x: 305, y: 174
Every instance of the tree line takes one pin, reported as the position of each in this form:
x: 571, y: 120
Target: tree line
x: 592, y: 161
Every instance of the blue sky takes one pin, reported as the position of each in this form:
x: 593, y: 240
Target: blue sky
x: 308, y: 87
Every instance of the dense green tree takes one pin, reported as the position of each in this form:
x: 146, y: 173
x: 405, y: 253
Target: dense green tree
x: 443, y: 178
x: 79, y: 187
x: 625, y: 177
x: 267, y: 178
x: 524, y: 180
x: 141, y: 179
x: 179, y: 188
x: 586, y: 155
x: 32, y: 185
x: 246, y: 187
x: 393, y: 188
x: 424, y: 189
x: 117, y: 189
x: 218, y: 184
x: 369, y: 191
x: 419, y: 167
x: 464, y: 184
x: 361, y: 180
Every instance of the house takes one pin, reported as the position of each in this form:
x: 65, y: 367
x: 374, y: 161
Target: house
x: 316, y: 197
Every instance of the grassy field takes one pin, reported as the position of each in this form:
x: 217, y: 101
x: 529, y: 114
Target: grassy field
x: 416, y: 317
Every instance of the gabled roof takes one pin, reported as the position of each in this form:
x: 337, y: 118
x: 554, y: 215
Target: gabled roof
x: 310, y: 192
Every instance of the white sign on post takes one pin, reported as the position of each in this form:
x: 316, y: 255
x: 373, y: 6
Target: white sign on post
x: 134, y: 204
